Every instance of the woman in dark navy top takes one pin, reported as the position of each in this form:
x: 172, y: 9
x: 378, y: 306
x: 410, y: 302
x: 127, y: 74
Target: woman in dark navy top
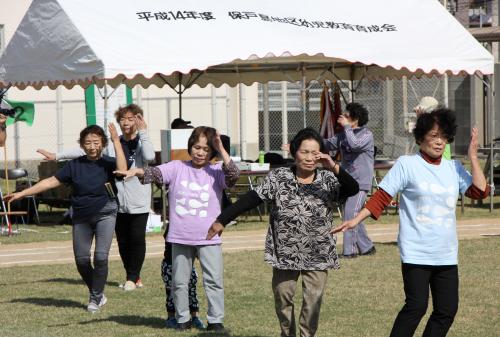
x: 94, y: 205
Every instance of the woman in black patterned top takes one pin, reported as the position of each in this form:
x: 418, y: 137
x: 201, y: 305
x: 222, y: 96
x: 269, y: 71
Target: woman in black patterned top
x: 303, y: 200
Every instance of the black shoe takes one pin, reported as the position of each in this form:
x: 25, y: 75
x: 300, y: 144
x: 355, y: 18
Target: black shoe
x: 219, y: 327
x: 184, y: 326
x: 370, y: 251
x: 350, y: 256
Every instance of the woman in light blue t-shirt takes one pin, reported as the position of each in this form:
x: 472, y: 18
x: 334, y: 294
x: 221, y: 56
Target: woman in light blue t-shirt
x: 429, y: 187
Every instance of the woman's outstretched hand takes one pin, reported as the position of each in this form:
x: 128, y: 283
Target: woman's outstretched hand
x: 13, y: 196
x: 126, y: 174
x: 344, y: 226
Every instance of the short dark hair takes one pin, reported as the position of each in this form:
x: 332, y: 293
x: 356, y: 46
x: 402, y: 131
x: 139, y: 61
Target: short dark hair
x: 133, y: 108
x: 206, y: 131
x: 305, y: 134
x: 443, y: 117
x: 180, y: 123
x: 94, y: 130
x: 357, y: 112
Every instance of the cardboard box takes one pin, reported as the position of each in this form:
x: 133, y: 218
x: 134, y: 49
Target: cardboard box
x: 254, y: 167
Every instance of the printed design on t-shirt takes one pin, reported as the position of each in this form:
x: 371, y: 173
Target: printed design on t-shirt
x: 193, y: 199
x: 437, y: 205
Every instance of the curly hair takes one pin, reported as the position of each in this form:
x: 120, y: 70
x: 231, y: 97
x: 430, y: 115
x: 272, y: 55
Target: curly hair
x: 305, y: 134
x: 94, y: 130
x: 133, y: 108
x: 357, y: 112
x: 206, y: 131
x: 443, y: 117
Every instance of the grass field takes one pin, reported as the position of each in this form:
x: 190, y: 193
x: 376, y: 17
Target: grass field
x: 362, y: 298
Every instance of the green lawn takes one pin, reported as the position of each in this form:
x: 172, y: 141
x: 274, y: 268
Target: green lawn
x: 362, y: 298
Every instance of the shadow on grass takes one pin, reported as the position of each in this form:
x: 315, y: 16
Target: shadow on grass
x: 151, y: 322
x: 157, y: 323
x: 75, y: 281
x: 48, y: 302
x: 391, y: 243
x: 222, y: 334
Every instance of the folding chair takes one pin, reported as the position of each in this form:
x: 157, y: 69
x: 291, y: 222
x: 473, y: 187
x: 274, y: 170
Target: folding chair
x: 16, y: 174
x: 6, y: 216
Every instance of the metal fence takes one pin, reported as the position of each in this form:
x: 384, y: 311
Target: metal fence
x: 389, y: 102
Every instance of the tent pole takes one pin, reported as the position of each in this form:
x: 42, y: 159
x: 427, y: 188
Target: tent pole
x: 489, y: 106
x: 106, y: 106
x: 59, y: 110
x: 138, y: 95
x: 265, y: 102
x: 445, y: 90
x: 284, y: 116
x: 304, y: 98
x: 404, y: 82
x: 228, y: 112
x: 491, y: 90
x: 243, y: 133
x: 180, y: 95
x: 213, y: 102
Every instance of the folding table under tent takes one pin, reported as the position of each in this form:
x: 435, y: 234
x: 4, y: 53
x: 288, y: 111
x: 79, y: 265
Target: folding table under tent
x: 158, y: 42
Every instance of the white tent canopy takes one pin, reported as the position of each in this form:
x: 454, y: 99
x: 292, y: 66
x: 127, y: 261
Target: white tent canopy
x: 158, y: 42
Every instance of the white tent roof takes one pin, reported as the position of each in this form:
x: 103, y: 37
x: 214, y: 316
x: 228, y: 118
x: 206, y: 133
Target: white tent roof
x: 78, y: 42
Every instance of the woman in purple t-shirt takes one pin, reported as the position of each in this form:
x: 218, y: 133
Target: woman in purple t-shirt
x: 195, y: 193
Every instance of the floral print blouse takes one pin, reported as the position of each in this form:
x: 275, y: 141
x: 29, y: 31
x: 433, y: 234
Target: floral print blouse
x: 301, y: 216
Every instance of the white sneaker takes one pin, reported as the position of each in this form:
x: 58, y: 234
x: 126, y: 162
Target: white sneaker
x: 93, y: 307
x: 129, y: 285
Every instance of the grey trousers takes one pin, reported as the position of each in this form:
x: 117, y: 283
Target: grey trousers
x: 356, y: 240
x: 210, y: 257
x: 313, y: 287
x: 102, y: 226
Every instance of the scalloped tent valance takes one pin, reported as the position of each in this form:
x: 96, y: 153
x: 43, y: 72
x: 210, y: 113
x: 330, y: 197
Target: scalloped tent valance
x: 158, y: 42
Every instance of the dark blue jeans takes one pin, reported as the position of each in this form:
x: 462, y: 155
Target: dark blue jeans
x: 101, y: 226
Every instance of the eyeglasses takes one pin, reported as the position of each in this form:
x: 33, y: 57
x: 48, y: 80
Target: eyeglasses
x: 433, y: 138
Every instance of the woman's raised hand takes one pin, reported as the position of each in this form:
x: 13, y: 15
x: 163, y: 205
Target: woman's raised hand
x: 140, y: 123
x: 325, y: 160
x: 472, y: 152
x: 217, y: 143
x: 113, y: 134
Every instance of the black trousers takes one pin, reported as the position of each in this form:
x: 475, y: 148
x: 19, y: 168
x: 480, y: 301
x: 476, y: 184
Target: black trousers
x: 131, y: 237
x: 443, y: 283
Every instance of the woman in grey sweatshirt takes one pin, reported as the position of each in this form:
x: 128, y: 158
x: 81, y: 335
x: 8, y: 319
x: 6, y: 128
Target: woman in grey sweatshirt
x: 356, y: 147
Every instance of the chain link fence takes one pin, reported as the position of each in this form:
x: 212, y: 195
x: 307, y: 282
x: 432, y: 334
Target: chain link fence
x: 390, y: 106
